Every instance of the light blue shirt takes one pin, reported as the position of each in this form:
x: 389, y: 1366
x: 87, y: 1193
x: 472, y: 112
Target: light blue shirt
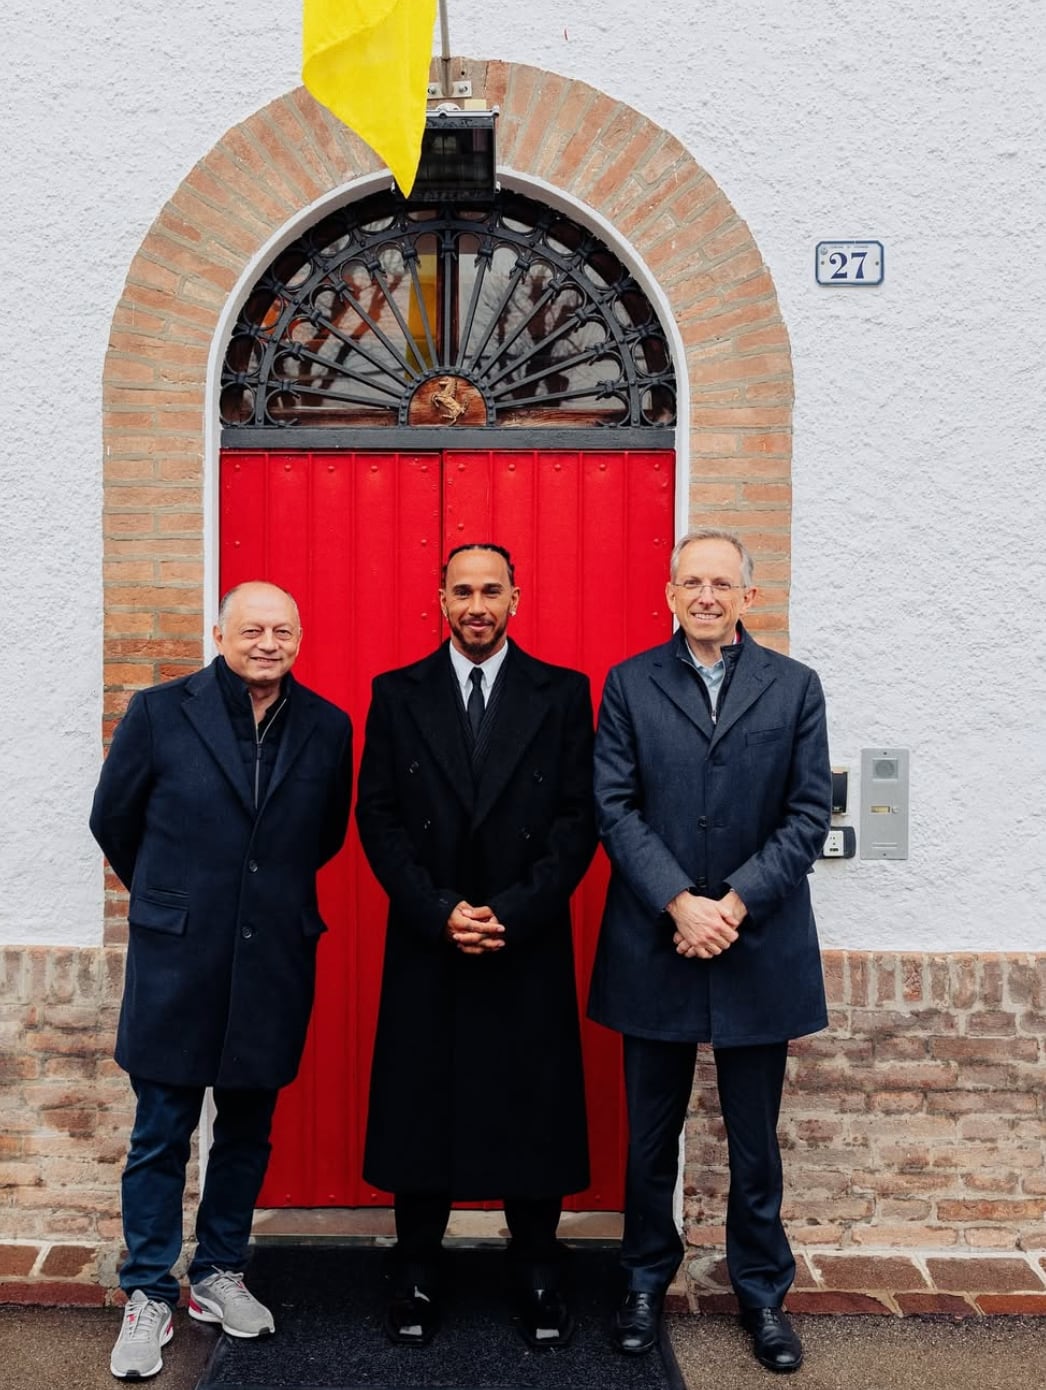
x: 711, y: 675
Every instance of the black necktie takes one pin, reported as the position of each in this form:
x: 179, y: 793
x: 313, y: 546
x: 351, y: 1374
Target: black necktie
x: 475, y: 706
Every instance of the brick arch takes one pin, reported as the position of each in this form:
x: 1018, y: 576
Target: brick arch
x: 257, y: 179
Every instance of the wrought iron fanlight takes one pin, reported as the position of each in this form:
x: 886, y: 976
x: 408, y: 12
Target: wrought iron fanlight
x: 394, y: 312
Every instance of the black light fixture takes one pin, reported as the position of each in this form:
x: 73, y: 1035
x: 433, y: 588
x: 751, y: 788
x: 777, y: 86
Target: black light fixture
x: 458, y: 157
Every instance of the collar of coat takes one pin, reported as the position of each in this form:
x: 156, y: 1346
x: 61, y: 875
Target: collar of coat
x: 523, y: 706
x: 205, y: 708
x: 749, y: 673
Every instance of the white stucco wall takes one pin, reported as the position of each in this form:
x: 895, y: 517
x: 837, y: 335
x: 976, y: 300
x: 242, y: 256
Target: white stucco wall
x: 919, y: 511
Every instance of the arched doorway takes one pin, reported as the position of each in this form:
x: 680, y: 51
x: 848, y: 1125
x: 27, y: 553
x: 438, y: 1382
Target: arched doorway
x: 399, y: 379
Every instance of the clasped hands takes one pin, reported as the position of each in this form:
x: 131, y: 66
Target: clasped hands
x: 474, y: 930
x: 705, y: 927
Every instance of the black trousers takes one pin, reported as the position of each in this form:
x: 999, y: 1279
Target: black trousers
x: 658, y: 1080
x: 421, y: 1220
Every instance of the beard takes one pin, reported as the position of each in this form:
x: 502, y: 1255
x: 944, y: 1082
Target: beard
x: 478, y: 644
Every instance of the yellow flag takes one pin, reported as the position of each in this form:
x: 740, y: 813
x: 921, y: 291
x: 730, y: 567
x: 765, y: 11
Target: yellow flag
x: 368, y: 62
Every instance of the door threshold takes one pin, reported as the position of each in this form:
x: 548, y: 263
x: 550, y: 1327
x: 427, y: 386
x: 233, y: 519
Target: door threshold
x: 376, y: 1226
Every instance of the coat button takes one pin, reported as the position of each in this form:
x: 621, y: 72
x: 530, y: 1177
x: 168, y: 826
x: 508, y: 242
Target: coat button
x: 246, y: 931
x: 252, y: 865
x: 703, y: 823
x: 701, y: 883
x: 524, y: 833
x: 413, y: 768
x: 426, y: 825
x: 538, y: 775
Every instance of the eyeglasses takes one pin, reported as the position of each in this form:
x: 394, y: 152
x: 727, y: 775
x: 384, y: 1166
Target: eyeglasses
x: 719, y: 587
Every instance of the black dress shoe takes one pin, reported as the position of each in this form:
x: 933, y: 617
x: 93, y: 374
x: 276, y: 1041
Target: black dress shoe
x: 638, y: 1322
x: 412, y: 1317
x: 545, y: 1319
x: 774, y: 1340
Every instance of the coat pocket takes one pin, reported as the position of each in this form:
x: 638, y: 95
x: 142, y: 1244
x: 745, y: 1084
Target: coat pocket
x: 159, y: 910
x: 312, y: 924
x: 764, y: 735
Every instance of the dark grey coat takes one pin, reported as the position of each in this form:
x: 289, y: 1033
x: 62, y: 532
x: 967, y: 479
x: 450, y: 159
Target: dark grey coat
x: 476, y: 1087
x: 744, y: 803
x: 223, y: 914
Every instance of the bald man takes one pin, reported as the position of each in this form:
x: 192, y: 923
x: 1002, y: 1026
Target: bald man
x: 223, y: 794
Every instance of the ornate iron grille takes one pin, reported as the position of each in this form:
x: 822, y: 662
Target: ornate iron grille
x: 390, y: 314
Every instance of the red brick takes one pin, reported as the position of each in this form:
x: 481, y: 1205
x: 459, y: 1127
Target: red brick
x: 1033, y: 1304
x: 716, y: 1303
x: 67, y: 1261
x: 1013, y: 1213
x: 964, y: 1274
x: 53, y: 1293
x: 928, y: 1304
x: 17, y: 1259
x: 991, y: 1023
x: 836, y: 1303
x: 864, y: 1272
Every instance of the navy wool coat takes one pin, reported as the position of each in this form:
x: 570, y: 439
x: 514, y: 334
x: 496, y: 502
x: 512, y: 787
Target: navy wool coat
x: 743, y: 803
x: 223, y: 914
x: 476, y: 1087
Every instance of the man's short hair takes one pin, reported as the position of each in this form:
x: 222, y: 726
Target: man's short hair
x: 483, y: 545
x: 230, y: 594
x: 713, y: 533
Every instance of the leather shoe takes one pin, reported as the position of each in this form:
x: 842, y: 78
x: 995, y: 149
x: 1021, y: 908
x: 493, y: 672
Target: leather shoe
x: 774, y: 1340
x: 411, y: 1318
x: 545, y: 1319
x: 637, y: 1322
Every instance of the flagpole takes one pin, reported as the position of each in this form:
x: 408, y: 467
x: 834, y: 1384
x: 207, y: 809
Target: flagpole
x: 444, y: 30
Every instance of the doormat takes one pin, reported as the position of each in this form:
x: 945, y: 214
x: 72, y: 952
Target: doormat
x: 329, y: 1303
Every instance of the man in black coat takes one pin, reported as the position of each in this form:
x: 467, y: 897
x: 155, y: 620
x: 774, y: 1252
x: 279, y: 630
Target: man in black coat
x: 223, y: 794
x: 475, y: 812
x: 713, y: 793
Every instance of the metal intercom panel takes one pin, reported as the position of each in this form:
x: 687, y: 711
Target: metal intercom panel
x: 884, y: 803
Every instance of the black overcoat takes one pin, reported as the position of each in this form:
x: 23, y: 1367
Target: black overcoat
x: 743, y: 803
x: 223, y: 915
x: 477, y: 1087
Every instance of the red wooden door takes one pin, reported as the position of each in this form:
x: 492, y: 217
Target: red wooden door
x: 359, y: 540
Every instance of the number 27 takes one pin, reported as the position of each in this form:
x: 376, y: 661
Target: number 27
x: 839, y: 259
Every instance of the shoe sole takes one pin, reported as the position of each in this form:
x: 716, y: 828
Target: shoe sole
x: 644, y: 1350
x: 780, y: 1370
x: 145, y: 1375
x: 204, y: 1314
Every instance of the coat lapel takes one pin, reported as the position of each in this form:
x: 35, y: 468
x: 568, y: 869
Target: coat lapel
x: 522, y: 708
x: 301, y: 720
x: 432, y: 707
x: 205, y: 710
x: 673, y: 679
x: 750, y: 679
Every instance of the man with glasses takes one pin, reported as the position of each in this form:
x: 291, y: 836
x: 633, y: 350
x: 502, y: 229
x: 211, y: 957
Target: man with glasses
x: 713, y: 796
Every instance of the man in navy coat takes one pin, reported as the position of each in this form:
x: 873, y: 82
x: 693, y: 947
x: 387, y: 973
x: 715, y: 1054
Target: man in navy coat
x: 475, y: 812
x: 713, y: 796
x: 223, y: 794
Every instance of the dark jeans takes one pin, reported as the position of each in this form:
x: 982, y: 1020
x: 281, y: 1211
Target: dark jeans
x: 154, y: 1183
x: 534, y: 1253
x: 658, y: 1080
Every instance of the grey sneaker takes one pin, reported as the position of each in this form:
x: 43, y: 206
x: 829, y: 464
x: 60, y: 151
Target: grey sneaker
x: 147, y: 1326
x: 222, y: 1297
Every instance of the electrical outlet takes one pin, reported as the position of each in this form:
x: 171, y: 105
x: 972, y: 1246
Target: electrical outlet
x: 841, y: 843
